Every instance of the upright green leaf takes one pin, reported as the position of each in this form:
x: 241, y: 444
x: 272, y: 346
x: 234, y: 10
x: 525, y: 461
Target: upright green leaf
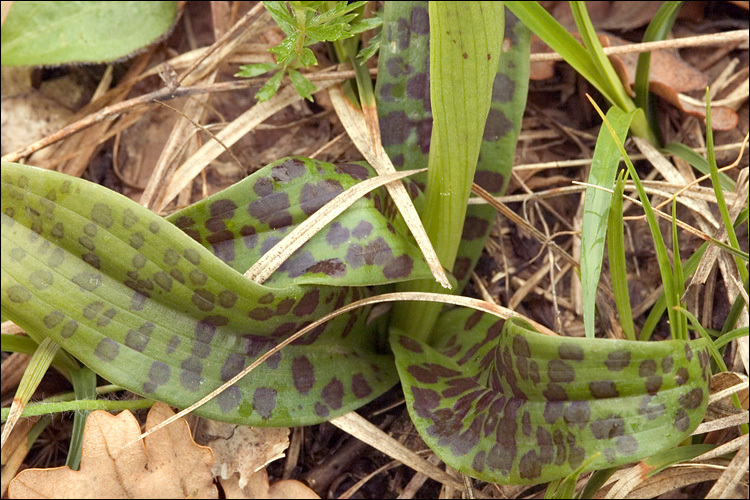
x: 596, y: 208
x: 503, y: 403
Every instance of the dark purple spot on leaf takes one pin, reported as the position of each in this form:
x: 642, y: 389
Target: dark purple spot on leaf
x: 333, y: 393
x: 425, y: 400
x: 682, y: 376
x: 264, y: 401
x: 321, y: 410
x: 314, y: 196
x: 229, y: 399
x: 681, y: 420
x: 234, y: 364
x: 400, y: 267
x: 53, y: 319
x: 69, y: 329
x: 497, y: 126
x: 360, y: 387
x: 190, y: 375
x: 570, y: 351
x: 102, y: 214
x: 617, y: 360
x: 647, y: 368
x: 653, y: 384
x: 303, y: 374
x: 692, y: 399
x: 577, y: 413
x: 410, y: 344
x: 608, y: 428
x: 601, y: 389
x: 107, y: 350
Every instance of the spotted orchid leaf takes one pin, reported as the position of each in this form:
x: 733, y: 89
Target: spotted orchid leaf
x: 498, y: 401
x: 404, y: 108
x: 361, y: 247
x: 150, y: 309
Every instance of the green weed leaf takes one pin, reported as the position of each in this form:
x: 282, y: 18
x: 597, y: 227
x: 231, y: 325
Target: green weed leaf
x: 37, y: 33
x: 503, y: 403
x: 304, y: 87
x: 251, y: 70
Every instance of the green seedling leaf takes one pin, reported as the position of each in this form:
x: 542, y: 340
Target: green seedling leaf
x: 503, y: 403
x: 270, y: 88
x: 150, y: 309
x: 360, y: 247
x: 251, y: 70
x: 304, y: 87
x: 596, y: 208
x: 46, y: 33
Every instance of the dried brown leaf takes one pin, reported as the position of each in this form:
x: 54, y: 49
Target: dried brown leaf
x: 259, y: 487
x: 239, y: 449
x: 168, y: 465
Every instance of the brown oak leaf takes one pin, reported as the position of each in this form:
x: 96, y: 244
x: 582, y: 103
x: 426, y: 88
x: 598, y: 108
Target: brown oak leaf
x: 168, y: 465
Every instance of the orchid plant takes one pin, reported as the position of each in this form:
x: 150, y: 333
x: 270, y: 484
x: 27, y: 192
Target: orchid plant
x: 160, y: 306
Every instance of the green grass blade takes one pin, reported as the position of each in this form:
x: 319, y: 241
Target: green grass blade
x: 718, y: 191
x: 594, y: 226
x: 616, y: 253
x: 658, y: 29
x: 680, y: 329
x: 665, y: 268
x: 657, y: 310
x: 726, y: 338
x: 35, y: 409
x: 84, y: 387
x: 697, y: 162
x: 606, y: 72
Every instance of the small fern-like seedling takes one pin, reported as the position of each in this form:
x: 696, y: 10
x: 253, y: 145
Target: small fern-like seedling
x: 306, y: 24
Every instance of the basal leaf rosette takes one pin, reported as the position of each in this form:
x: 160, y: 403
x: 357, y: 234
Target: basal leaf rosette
x: 501, y: 402
x: 150, y: 309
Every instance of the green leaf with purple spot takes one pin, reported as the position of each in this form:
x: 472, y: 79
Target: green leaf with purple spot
x: 404, y: 108
x: 150, y: 309
x: 498, y: 401
x: 362, y: 246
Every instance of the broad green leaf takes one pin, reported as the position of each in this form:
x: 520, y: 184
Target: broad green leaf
x: 360, y: 247
x: 150, y: 309
x: 596, y: 208
x: 37, y: 33
x: 503, y: 403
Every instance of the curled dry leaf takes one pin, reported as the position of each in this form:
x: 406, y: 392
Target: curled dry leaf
x: 241, y: 449
x: 258, y: 487
x: 168, y: 465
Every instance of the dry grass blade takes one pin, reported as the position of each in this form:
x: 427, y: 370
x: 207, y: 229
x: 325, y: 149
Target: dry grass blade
x: 733, y: 445
x: 281, y: 251
x: 363, y: 430
x: 477, y: 304
x: 668, y: 480
x: 722, y: 423
x: 248, y: 120
x: 364, y: 138
x: 730, y: 484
